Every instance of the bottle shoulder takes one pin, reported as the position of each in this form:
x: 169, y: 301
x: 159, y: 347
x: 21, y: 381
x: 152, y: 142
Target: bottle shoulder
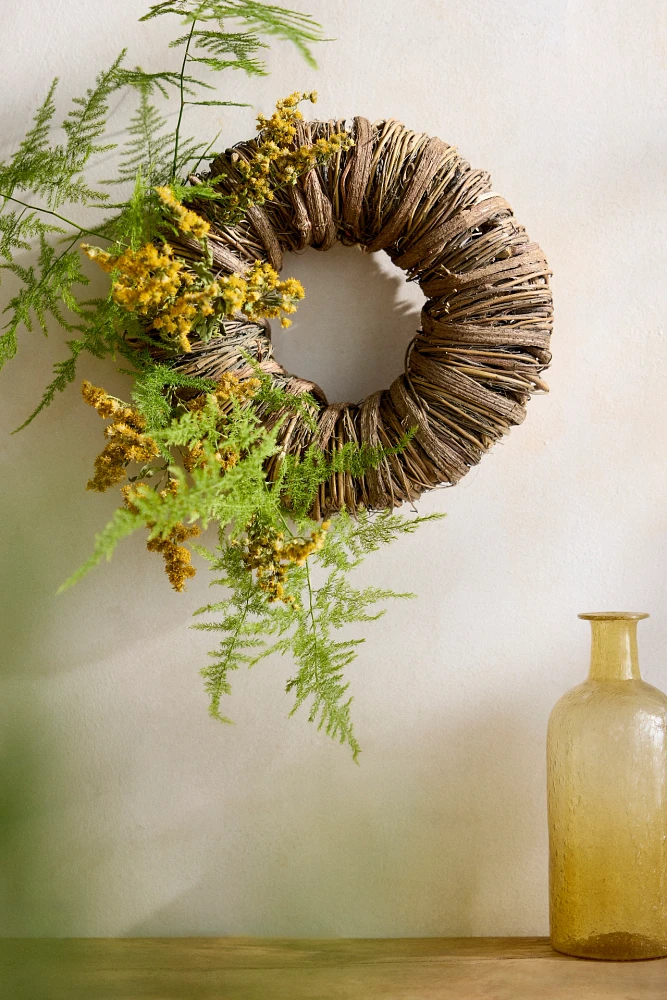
x: 626, y: 696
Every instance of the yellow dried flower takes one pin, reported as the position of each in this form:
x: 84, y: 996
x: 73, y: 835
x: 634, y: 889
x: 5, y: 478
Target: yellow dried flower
x: 193, y: 456
x: 265, y: 553
x: 157, y: 285
x: 177, y: 318
x: 177, y: 559
x: 227, y: 458
x: 186, y: 220
x: 230, y: 386
x: 103, y: 259
x: 275, y: 163
x: 281, y: 126
x: 105, y: 404
x: 146, y: 278
x: 127, y: 442
x: 261, y: 293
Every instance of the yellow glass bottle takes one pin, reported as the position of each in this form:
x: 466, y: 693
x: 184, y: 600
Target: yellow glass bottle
x: 607, y: 801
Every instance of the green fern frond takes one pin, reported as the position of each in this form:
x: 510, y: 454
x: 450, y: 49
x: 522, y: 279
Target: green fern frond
x: 147, y: 149
x: 300, y: 30
x: 56, y: 172
x: 218, y: 45
x: 245, y: 618
x: 305, y: 629
x: 153, y: 387
x: 26, y: 169
x: 138, y: 79
x: 321, y: 662
x: 344, y: 604
x: 101, y: 324
x: 8, y: 345
x: 84, y: 126
x: 137, y: 221
x: 47, y: 290
x: 357, y: 536
x: 18, y: 231
x: 302, y: 474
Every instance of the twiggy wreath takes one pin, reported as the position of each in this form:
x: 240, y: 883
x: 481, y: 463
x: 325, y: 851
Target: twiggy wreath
x: 485, y: 327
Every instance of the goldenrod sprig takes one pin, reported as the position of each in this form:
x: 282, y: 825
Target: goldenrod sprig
x: 275, y: 163
x: 175, y: 302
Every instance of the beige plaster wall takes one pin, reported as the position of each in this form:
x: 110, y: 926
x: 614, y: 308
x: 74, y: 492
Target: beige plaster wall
x: 137, y: 814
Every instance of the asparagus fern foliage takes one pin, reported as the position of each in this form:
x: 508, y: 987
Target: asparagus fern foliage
x: 308, y: 630
x: 199, y: 448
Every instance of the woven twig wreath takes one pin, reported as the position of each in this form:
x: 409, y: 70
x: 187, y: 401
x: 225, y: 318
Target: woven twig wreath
x: 485, y: 326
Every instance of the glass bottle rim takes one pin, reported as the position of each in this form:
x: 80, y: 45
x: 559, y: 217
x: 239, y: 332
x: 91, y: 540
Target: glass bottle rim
x: 614, y: 616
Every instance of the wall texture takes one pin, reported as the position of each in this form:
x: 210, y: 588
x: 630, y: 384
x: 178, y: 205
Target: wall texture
x: 137, y: 815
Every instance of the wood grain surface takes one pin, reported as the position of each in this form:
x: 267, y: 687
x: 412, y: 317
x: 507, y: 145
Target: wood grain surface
x: 275, y: 969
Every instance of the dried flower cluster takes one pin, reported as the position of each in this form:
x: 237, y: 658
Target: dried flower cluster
x: 274, y: 163
x: 229, y: 388
x: 281, y: 126
x: 186, y: 220
x: 144, y: 279
x: 265, y: 551
x: 177, y: 559
x: 127, y: 442
x: 158, y: 286
x: 261, y: 293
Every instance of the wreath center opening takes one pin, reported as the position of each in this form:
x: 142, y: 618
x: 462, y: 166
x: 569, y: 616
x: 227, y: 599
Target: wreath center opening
x: 352, y: 330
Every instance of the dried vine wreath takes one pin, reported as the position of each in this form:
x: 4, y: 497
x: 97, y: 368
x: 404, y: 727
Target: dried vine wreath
x: 486, y: 324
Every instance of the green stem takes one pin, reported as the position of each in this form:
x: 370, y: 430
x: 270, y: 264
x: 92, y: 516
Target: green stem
x: 313, y: 620
x: 311, y: 609
x: 204, y: 154
x: 48, y: 211
x: 182, y: 92
x: 232, y: 647
x: 285, y: 524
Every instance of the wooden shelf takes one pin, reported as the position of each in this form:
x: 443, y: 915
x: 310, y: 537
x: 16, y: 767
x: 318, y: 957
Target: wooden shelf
x: 277, y: 969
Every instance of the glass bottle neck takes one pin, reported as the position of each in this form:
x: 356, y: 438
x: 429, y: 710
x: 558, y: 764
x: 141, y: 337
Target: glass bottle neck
x: 614, y: 651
